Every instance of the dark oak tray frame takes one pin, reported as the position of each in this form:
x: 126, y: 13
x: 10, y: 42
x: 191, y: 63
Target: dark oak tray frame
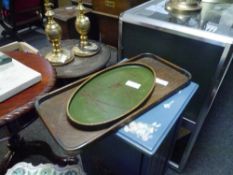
x: 52, y: 107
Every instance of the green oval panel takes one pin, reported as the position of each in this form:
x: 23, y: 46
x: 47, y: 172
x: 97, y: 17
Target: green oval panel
x: 111, y: 94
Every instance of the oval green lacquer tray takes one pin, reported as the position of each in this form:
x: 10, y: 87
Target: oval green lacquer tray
x: 111, y: 94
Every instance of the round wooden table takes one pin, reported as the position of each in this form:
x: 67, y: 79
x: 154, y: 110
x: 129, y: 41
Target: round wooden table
x: 16, y: 106
x: 80, y: 66
x: 18, y: 112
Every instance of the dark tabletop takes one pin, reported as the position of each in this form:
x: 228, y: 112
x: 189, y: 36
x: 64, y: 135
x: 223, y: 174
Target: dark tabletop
x: 81, y: 66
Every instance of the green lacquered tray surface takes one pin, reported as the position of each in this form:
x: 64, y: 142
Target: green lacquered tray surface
x: 111, y: 94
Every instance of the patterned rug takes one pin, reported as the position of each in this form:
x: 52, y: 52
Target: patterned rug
x: 24, y: 168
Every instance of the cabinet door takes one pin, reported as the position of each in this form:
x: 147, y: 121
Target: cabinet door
x: 112, y: 156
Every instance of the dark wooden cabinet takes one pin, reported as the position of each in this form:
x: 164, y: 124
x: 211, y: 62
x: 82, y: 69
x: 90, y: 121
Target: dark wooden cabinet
x: 114, y: 7
x: 66, y: 16
x: 106, y: 14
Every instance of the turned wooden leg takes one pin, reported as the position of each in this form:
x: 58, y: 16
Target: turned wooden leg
x: 6, y: 162
x: 19, y: 150
x: 26, y: 149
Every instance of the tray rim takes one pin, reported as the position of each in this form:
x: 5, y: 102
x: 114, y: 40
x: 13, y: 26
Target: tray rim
x: 100, y: 73
x: 77, y: 148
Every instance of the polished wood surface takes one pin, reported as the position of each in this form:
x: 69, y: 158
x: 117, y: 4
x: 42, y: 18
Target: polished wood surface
x: 22, y: 102
x: 109, y: 34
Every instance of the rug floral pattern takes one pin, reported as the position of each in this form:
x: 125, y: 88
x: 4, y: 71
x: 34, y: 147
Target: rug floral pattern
x: 24, y: 168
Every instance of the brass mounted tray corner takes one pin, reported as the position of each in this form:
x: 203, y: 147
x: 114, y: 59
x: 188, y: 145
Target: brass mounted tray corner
x: 110, y: 95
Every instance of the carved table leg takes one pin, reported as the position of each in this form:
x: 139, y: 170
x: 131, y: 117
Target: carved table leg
x: 19, y: 149
x: 5, y: 162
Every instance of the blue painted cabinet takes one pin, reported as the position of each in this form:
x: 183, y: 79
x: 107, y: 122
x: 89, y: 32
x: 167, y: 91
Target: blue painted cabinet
x: 143, y: 146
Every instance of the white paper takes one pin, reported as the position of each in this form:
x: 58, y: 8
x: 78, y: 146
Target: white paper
x: 15, y: 77
x: 161, y: 82
x: 133, y: 84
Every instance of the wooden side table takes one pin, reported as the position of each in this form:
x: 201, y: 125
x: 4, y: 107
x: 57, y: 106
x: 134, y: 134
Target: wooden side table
x: 81, y: 67
x: 18, y: 112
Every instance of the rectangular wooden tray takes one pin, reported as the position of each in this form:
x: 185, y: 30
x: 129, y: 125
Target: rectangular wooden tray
x: 52, y: 107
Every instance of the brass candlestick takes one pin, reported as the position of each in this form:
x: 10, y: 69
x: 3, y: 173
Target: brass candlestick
x: 84, y: 48
x: 58, y: 55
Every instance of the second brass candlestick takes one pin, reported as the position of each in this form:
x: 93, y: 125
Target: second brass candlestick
x: 84, y: 48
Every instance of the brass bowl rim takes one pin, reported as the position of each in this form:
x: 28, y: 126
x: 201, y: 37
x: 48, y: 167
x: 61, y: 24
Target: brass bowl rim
x: 183, y: 6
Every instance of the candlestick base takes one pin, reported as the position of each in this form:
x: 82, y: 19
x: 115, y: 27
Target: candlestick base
x: 61, y: 58
x: 90, y: 49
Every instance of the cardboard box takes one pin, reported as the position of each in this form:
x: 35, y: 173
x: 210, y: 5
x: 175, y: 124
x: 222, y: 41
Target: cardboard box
x: 19, y: 46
